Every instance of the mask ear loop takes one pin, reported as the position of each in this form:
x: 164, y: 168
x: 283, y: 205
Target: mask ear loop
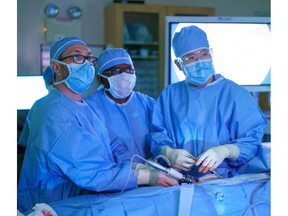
x: 181, y: 65
x: 106, y: 77
x: 63, y: 63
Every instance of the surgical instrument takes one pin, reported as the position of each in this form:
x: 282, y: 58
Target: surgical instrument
x: 173, y: 173
x: 195, y: 159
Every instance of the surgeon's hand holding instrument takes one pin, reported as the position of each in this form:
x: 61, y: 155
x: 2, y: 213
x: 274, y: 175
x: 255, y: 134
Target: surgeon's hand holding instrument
x: 152, y: 177
x: 214, y: 156
x: 145, y: 178
x: 172, y: 173
x: 180, y: 159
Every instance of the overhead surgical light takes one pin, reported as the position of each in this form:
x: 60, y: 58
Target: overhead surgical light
x: 51, y: 10
x: 74, y: 12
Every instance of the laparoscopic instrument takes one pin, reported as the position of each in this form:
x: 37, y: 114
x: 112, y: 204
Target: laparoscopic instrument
x: 168, y: 170
x: 179, y: 176
x: 195, y: 159
x: 173, y: 173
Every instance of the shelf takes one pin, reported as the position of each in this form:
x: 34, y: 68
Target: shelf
x: 139, y: 28
x: 153, y: 43
x: 144, y: 58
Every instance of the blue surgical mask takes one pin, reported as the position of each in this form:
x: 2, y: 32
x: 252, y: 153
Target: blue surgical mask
x: 80, y: 76
x: 199, y: 72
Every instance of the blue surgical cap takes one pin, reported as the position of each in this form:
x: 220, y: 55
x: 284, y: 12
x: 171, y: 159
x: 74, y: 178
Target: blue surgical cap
x: 61, y: 45
x: 48, y: 75
x: 190, y: 38
x: 111, y: 57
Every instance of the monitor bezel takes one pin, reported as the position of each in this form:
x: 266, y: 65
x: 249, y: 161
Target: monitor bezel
x: 207, y: 19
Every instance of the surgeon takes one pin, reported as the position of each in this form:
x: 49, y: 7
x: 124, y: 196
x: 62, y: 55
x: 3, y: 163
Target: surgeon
x: 127, y: 112
x: 68, y: 151
x: 206, y: 122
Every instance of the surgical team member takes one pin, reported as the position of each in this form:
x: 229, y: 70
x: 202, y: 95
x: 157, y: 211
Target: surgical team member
x: 206, y: 122
x: 127, y: 113
x: 68, y: 151
x: 48, y: 79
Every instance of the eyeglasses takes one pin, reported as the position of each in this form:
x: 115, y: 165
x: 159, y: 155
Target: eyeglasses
x: 194, y: 56
x: 116, y: 71
x: 80, y: 59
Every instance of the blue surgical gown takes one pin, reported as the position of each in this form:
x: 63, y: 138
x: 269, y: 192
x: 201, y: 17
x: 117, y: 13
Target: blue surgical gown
x: 25, y: 131
x: 197, y: 119
x: 23, y: 138
x: 68, y: 154
x: 128, y: 123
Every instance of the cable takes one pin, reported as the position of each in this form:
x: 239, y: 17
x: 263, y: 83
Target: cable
x: 169, y: 171
x: 127, y: 180
x: 257, y: 188
x: 218, y: 195
x: 253, y: 206
x: 129, y: 173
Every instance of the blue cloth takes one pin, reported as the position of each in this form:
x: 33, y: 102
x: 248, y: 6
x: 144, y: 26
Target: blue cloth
x: 242, y: 196
x: 48, y: 76
x: 262, y: 162
x: 128, y: 123
x: 68, y: 153
x: 197, y: 39
x: 23, y: 138
x: 197, y: 119
x: 111, y: 57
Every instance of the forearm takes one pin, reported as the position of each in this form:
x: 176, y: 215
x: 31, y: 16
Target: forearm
x: 246, y: 153
x: 158, y: 141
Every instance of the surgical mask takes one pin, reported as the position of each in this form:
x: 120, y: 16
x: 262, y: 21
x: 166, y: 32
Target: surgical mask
x: 80, y: 76
x: 199, y: 72
x: 121, y: 85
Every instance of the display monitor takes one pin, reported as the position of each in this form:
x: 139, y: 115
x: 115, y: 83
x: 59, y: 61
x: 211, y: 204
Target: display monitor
x: 29, y: 89
x: 241, y: 48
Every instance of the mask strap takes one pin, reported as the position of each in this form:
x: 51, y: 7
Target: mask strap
x: 182, y: 66
x: 101, y: 75
x: 106, y: 77
x: 63, y: 63
x: 60, y: 62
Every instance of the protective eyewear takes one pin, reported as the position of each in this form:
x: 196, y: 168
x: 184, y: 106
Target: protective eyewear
x: 116, y: 71
x: 80, y: 59
x: 195, y: 56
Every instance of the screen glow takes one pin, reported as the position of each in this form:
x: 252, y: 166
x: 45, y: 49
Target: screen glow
x: 29, y: 89
x: 241, y: 48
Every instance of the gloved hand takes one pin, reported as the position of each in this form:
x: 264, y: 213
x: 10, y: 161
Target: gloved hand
x: 151, y: 176
x: 138, y: 166
x: 214, y: 156
x: 180, y: 158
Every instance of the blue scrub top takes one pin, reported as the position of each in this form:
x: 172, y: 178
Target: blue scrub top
x: 23, y: 138
x: 68, y: 154
x: 127, y: 124
x: 197, y: 119
x: 25, y: 131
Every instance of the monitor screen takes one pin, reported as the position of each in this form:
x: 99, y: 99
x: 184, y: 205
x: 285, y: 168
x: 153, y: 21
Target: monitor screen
x: 29, y: 89
x: 241, y: 48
